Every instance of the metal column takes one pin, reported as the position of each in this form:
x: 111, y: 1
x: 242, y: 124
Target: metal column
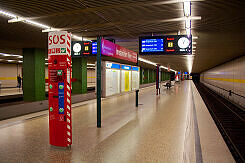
x: 98, y: 83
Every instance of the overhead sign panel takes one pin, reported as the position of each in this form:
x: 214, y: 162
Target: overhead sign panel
x: 81, y: 48
x: 163, y: 45
x: 94, y: 48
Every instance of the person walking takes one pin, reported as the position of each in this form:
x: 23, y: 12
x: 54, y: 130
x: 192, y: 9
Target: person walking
x: 19, y: 81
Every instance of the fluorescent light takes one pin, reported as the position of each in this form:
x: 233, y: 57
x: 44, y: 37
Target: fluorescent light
x: 7, y: 14
x: 154, y: 64
x: 6, y: 55
x: 80, y: 38
x: 11, y: 55
x: 91, y: 67
x: 46, y: 59
x: 164, y: 67
x: 188, y: 32
x: 188, y: 23
x: 50, y: 30
x: 46, y: 63
x: 90, y: 64
x: 16, y: 19
x: 190, y: 63
x: 10, y: 60
x: 193, y: 47
x: 194, y: 43
x: 36, y: 24
x: 194, y: 37
x: 147, y: 61
x: 187, y: 8
x: 20, y: 61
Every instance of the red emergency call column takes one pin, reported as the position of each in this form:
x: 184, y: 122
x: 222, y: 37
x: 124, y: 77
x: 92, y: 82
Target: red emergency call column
x: 59, y: 73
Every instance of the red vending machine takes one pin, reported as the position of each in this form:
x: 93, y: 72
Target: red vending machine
x: 59, y: 73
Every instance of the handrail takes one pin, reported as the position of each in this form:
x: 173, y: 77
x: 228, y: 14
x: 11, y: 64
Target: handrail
x: 230, y: 91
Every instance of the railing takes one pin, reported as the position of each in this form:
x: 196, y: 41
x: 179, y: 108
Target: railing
x: 229, y: 91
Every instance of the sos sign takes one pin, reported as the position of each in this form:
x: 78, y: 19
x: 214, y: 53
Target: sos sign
x: 56, y: 39
x: 57, y: 42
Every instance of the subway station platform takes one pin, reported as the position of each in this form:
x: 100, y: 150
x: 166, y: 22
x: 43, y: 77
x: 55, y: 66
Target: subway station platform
x: 174, y: 126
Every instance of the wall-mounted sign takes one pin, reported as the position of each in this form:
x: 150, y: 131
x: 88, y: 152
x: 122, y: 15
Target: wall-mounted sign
x: 58, y: 42
x: 162, y: 45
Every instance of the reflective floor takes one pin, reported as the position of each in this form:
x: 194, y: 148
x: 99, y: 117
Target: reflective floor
x: 17, y: 91
x: 161, y: 129
x: 10, y: 91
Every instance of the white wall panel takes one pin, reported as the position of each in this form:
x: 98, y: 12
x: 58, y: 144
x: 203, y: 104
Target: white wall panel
x: 229, y: 76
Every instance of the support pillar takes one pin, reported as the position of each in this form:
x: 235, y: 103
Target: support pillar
x: 98, y: 82
x: 34, y: 74
x: 79, y: 72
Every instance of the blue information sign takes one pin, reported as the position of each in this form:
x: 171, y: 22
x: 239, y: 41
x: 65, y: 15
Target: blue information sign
x: 124, y: 67
x: 152, y: 45
x: 135, y: 68
x: 112, y: 65
x: 94, y: 47
x: 167, y: 44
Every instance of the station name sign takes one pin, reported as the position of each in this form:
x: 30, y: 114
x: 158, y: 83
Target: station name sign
x: 168, y: 44
x: 113, y: 50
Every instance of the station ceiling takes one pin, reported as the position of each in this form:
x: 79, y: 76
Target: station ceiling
x: 220, y: 32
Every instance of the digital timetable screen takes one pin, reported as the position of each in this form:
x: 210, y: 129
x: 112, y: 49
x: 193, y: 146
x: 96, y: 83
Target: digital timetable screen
x: 94, y: 47
x: 165, y: 45
x: 152, y: 45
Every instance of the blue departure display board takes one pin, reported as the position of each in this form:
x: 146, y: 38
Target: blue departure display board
x: 152, y: 45
x: 94, y: 47
x: 165, y: 45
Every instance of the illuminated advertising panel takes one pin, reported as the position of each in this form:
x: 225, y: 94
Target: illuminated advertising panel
x: 135, y: 78
x: 164, y: 45
x: 126, y: 78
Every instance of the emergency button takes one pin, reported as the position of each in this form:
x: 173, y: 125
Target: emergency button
x: 61, y: 86
x: 61, y: 110
x: 51, y: 109
x: 50, y: 86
